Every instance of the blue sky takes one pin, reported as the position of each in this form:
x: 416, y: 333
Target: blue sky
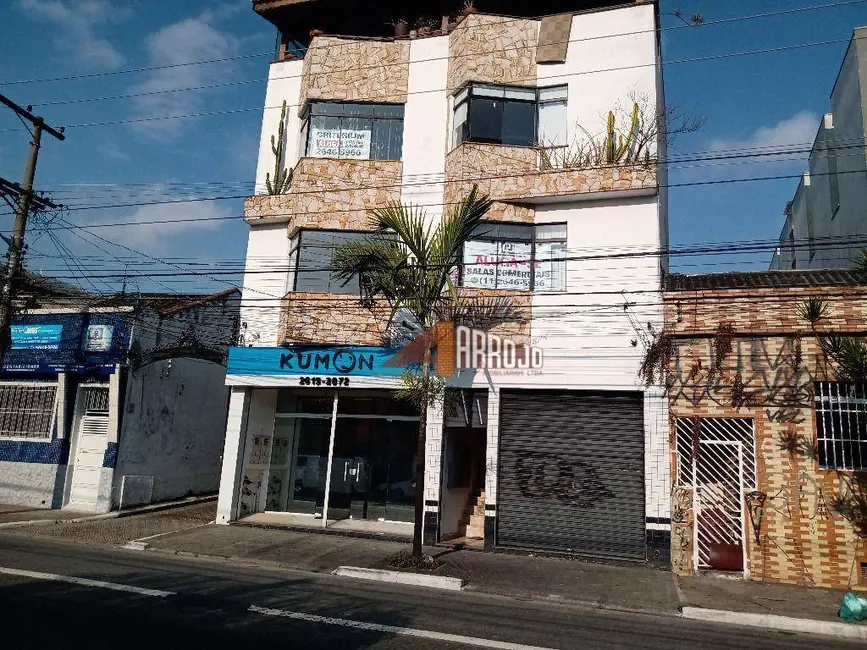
x: 767, y: 99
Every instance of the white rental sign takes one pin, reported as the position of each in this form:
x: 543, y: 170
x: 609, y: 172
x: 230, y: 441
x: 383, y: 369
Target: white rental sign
x: 339, y: 143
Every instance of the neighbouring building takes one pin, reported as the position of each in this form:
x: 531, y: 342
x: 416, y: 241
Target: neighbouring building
x: 825, y: 225
x: 111, y: 402
x: 570, y: 458
x: 768, y: 445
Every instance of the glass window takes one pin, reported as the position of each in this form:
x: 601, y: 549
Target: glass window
x: 510, y: 115
x: 313, y: 272
x: 517, y: 257
x: 353, y: 130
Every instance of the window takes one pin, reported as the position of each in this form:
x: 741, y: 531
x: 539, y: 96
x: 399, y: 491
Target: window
x: 515, y: 256
x: 362, y: 131
x: 841, y: 425
x: 510, y: 115
x: 27, y: 410
x: 313, y: 261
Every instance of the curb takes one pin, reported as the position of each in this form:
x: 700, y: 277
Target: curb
x: 400, y: 577
x: 168, y: 505
x: 775, y: 622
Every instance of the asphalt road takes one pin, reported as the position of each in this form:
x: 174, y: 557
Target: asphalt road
x: 148, y: 600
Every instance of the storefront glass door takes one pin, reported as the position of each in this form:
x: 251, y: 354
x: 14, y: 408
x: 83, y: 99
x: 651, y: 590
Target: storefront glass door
x: 371, y: 471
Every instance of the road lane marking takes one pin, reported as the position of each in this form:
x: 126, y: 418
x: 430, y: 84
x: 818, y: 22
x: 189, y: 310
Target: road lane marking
x: 391, y: 629
x: 87, y: 582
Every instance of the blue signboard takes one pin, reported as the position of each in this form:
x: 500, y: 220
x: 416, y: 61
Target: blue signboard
x: 36, y: 337
x: 349, y: 361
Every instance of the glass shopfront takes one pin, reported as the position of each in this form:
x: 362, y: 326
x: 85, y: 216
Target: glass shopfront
x: 342, y: 456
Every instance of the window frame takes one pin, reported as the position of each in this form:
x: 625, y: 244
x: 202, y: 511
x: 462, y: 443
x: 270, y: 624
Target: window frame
x: 469, y: 91
x: 832, y: 398
x: 51, y: 420
x: 295, y: 264
x: 310, y: 113
x: 533, y: 241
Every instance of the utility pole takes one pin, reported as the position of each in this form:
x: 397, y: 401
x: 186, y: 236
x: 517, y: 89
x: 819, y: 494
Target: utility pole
x: 25, y: 198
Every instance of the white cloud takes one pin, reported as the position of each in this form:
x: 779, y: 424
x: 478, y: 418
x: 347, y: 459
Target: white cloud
x: 796, y: 132
x: 80, y: 29
x: 192, y: 39
x: 169, y: 233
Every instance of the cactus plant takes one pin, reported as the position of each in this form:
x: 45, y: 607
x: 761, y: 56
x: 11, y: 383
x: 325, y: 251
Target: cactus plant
x: 619, y: 150
x: 282, y: 175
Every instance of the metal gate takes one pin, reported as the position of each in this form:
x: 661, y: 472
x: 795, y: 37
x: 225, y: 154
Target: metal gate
x: 571, y: 473
x: 716, y: 456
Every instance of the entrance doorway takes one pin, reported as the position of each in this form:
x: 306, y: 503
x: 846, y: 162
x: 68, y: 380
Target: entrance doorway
x: 91, y: 435
x: 338, y: 458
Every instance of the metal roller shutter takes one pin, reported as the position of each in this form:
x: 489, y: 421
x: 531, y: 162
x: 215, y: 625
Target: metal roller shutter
x: 571, y: 473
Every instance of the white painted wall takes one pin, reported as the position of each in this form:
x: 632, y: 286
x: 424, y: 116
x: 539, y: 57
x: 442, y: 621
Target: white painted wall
x: 233, y: 450
x: 265, y: 283
x: 610, y: 54
x: 37, y: 485
x: 173, y: 427
x: 284, y: 83
x: 426, y: 124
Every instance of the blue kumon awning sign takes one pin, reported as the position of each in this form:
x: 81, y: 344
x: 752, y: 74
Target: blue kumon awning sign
x: 351, y: 361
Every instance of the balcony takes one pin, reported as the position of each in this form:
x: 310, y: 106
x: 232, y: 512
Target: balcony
x: 329, y: 193
x: 338, y: 319
x: 515, y: 174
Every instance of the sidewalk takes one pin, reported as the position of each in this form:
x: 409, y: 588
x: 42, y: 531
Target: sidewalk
x: 564, y: 581
x: 13, y: 514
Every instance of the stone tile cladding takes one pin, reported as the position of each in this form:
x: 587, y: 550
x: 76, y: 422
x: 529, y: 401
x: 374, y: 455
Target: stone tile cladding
x: 331, y: 193
x: 493, y: 49
x: 331, y: 318
x: 512, y: 174
x: 800, y: 538
x: 351, y: 69
x: 342, y: 320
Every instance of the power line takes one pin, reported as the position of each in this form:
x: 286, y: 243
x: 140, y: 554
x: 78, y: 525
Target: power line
x: 707, y: 23
x: 701, y: 59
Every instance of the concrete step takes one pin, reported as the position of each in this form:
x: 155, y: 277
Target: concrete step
x: 477, y: 521
x: 474, y: 532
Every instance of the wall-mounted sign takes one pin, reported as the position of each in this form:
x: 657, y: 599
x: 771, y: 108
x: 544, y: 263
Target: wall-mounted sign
x: 339, y: 143
x: 310, y: 361
x: 36, y: 337
x: 97, y: 338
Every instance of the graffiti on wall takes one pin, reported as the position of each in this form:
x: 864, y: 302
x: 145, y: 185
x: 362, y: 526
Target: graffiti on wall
x: 771, y: 373
x: 569, y: 481
x: 681, y: 530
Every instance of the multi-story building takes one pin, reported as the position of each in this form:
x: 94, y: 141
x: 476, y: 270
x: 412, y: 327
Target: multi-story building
x: 571, y: 457
x: 825, y: 225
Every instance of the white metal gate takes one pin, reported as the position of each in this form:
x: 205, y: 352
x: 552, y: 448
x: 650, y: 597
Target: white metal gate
x: 91, y: 439
x: 717, y: 457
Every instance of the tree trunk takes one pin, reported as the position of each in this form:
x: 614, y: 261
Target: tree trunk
x: 418, y: 528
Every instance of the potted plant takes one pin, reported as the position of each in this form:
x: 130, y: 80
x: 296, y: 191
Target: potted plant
x: 469, y: 8
x: 315, y: 32
x: 401, y: 28
x: 423, y: 25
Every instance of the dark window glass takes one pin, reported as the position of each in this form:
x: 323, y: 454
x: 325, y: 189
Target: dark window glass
x: 519, y: 123
x: 486, y: 120
x: 315, y: 256
x: 354, y: 130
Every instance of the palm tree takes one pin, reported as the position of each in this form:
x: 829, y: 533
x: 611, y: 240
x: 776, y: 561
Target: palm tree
x: 410, y: 263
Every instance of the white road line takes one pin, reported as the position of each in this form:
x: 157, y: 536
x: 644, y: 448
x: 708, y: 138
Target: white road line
x: 391, y: 629
x: 86, y: 582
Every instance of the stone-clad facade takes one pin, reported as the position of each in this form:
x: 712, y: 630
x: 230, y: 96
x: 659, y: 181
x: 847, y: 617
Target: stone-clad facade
x: 331, y: 194
x: 512, y: 174
x: 331, y: 318
x: 792, y: 531
x: 493, y: 49
x: 355, y: 70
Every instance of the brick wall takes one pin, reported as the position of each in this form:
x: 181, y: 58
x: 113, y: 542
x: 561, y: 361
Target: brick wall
x: 796, y: 536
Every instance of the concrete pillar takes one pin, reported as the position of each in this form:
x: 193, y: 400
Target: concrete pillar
x: 432, y: 473
x: 233, y: 454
